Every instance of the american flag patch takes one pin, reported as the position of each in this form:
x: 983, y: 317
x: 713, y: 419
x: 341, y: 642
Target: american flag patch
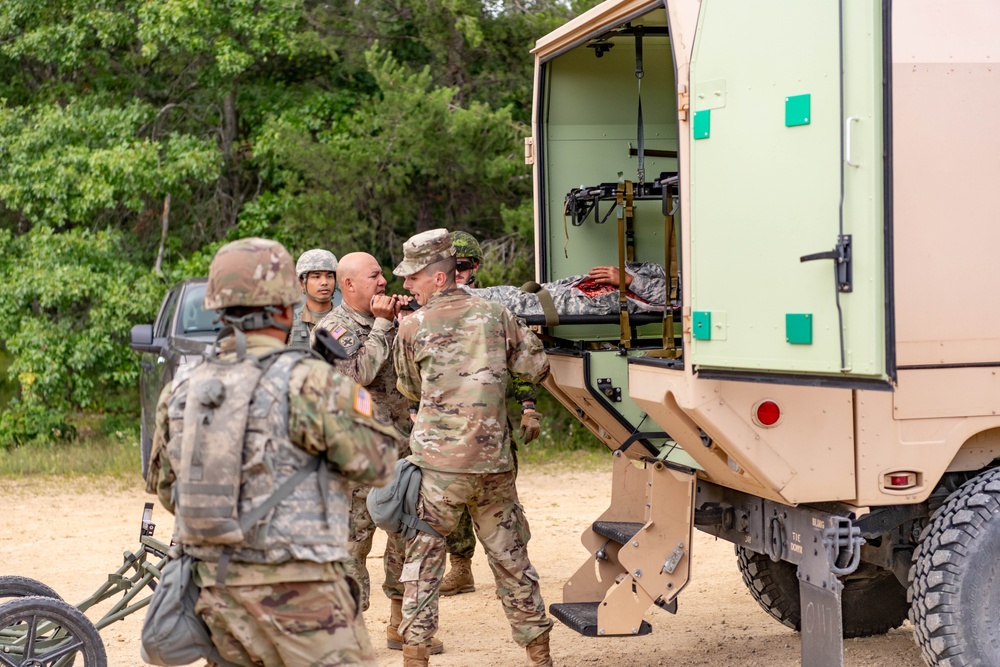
x: 338, y: 332
x: 363, y: 402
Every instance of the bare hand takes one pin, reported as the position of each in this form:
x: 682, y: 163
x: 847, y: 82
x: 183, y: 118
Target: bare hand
x: 383, y: 306
x: 608, y: 275
x: 400, y: 301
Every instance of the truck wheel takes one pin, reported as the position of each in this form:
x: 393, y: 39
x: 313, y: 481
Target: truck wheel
x: 873, y: 600
x: 955, y: 577
x: 46, y: 632
x: 21, y: 587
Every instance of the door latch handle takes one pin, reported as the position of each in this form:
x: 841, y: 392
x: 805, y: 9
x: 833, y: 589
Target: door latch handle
x: 841, y: 255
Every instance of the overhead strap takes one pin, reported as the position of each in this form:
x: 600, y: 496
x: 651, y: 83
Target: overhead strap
x: 623, y: 195
x: 544, y: 300
x: 640, y: 133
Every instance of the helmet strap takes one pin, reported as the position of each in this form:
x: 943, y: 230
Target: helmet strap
x: 258, y: 319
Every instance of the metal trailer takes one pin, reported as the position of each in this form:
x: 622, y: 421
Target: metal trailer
x: 39, y: 629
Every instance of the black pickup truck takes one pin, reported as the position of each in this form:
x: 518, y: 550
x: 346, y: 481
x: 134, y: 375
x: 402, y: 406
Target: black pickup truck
x: 179, y: 335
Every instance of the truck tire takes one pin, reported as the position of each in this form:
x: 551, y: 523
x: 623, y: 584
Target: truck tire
x: 955, y: 578
x: 873, y: 600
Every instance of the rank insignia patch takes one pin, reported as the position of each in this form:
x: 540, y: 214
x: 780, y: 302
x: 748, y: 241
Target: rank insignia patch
x: 363, y: 402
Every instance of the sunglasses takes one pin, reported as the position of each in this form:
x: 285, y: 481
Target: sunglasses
x: 464, y: 265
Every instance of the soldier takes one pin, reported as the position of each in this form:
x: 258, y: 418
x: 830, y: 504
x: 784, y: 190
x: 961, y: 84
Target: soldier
x: 594, y: 293
x: 317, y: 272
x: 230, y: 430
x: 462, y: 541
x: 364, y: 325
x: 454, y: 355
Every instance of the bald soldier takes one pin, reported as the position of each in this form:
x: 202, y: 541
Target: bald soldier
x: 364, y: 324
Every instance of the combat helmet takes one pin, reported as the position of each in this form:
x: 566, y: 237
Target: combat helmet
x: 251, y: 272
x: 316, y: 259
x: 466, y: 245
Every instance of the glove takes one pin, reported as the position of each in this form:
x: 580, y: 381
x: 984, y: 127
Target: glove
x: 531, y: 425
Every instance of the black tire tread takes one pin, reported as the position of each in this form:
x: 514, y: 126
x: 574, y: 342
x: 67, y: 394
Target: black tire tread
x: 13, y: 586
x: 870, y: 606
x: 939, y: 565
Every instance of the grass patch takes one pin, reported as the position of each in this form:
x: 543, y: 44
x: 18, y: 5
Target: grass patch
x: 106, y: 456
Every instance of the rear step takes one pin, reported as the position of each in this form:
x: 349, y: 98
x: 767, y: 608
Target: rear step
x: 617, y: 531
x: 640, y: 552
x: 582, y: 617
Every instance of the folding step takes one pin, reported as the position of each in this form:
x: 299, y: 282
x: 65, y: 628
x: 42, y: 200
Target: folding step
x: 617, y: 531
x: 582, y: 617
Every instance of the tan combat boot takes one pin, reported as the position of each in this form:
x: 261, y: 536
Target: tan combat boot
x: 394, y: 640
x: 538, y: 651
x: 459, y: 578
x: 415, y: 655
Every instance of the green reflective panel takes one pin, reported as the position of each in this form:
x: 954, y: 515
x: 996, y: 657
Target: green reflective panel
x: 798, y: 328
x: 701, y: 325
x: 702, y: 124
x: 797, y: 110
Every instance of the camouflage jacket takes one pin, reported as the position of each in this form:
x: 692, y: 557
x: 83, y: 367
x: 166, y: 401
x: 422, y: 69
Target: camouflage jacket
x: 453, y: 355
x: 301, y: 334
x: 327, y: 415
x: 369, y: 342
x: 574, y: 296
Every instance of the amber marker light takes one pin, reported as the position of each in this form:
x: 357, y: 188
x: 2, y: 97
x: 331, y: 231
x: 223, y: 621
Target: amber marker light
x: 767, y: 413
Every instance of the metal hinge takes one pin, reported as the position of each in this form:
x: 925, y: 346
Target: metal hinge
x: 529, y: 150
x: 683, y: 104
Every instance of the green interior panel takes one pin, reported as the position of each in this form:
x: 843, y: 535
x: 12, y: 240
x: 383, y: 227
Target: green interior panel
x: 764, y: 194
x: 589, y: 119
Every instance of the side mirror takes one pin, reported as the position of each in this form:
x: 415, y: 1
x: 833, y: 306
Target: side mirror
x: 141, y: 338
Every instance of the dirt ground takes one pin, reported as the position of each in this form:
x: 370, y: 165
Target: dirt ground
x: 71, y: 536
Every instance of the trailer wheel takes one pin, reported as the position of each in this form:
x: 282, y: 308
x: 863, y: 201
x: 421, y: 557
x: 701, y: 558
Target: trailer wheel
x: 44, y: 631
x: 21, y: 587
x: 955, y: 577
x: 873, y: 600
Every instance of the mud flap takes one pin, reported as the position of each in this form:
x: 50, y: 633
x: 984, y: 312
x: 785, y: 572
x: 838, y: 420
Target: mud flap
x: 822, y: 630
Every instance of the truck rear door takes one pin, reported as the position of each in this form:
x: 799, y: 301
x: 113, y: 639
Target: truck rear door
x: 789, y: 232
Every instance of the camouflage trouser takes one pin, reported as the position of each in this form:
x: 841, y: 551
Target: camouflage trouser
x: 361, y: 533
x: 462, y: 541
x: 315, y: 623
x: 503, y: 531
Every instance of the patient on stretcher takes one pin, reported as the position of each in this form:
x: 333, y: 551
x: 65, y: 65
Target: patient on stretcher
x: 594, y: 293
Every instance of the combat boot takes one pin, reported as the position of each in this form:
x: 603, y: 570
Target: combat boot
x: 538, y: 651
x: 415, y: 655
x: 459, y: 578
x: 394, y: 640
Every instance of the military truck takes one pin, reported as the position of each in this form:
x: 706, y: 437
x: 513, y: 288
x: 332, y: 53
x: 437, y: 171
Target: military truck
x: 818, y: 179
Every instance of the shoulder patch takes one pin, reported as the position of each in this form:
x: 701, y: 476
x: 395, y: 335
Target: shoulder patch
x: 362, y: 401
x: 338, y: 332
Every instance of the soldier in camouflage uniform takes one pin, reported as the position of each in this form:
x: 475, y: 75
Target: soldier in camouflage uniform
x: 462, y: 541
x: 595, y: 293
x: 364, y: 324
x: 317, y: 272
x: 279, y: 593
x: 454, y: 356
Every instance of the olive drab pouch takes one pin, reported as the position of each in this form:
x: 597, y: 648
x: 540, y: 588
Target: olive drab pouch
x: 210, y: 470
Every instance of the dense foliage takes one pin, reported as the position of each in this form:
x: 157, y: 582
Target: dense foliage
x: 346, y: 125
